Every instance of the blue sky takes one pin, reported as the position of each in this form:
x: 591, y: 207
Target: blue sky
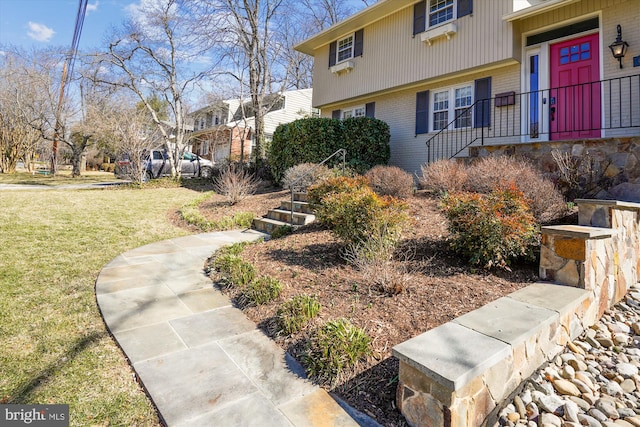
x: 45, y: 23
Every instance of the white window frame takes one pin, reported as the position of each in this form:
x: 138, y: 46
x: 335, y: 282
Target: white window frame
x: 355, y: 111
x: 453, y: 6
x: 351, y: 36
x: 451, y: 107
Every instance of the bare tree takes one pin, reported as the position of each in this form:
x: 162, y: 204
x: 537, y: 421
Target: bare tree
x: 26, y: 108
x: 254, y: 49
x: 157, y: 52
x: 124, y: 129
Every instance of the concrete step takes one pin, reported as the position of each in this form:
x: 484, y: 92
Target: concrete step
x: 267, y: 225
x: 285, y: 216
x: 303, y: 207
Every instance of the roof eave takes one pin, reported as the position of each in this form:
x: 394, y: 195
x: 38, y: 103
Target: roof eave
x: 537, y: 9
x: 371, y: 14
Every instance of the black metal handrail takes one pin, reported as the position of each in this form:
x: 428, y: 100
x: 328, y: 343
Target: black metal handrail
x: 542, y: 112
x: 296, y: 184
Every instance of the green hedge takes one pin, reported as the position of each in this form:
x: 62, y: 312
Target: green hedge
x: 311, y: 140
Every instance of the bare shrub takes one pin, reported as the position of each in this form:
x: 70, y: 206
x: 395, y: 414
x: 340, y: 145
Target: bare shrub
x: 443, y: 176
x: 374, y: 259
x: 578, y: 176
x: 544, y: 199
x: 235, y: 183
x: 390, y: 181
x: 304, y: 175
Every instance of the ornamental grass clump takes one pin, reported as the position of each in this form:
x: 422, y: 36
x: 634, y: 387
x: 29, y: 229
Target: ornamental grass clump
x: 333, y: 348
x: 262, y: 290
x: 491, y: 230
x: 234, y: 271
x: 294, y: 314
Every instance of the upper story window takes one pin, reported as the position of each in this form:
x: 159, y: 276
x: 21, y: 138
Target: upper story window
x: 440, y: 11
x: 345, y: 48
x: 432, y: 13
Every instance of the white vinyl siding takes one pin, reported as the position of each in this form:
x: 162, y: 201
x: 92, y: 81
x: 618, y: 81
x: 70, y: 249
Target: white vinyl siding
x: 395, y: 59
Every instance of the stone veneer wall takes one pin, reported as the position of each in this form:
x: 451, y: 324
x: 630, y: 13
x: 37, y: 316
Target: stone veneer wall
x: 600, y: 255
x: 616, y: 161
x: 597, y: 261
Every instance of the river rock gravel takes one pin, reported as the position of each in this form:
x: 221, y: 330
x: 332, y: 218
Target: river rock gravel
x: 595, y: 382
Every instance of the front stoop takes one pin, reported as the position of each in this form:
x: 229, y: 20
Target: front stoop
x: 302, y: 215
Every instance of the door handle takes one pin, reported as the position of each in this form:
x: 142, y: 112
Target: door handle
x: 552, y: 112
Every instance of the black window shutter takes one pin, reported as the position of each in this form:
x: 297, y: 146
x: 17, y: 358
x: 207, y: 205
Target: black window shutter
x: 358, y: 43
x: 465, y: 7
x: 419, y: 17
x: 482, y: 112
x: 370, y: 109
x: 333, y: 49
x: 335, y: 114
x: 422, y: 112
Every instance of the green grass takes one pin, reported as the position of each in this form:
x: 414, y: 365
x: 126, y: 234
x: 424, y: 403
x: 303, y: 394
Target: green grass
x: 190, y: 212
x: 55, y: 348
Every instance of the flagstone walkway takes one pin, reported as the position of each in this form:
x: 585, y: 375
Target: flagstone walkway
x: 200, y: 359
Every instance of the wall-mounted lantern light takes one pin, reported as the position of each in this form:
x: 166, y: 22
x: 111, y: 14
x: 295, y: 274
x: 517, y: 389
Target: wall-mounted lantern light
x: 619, y: 47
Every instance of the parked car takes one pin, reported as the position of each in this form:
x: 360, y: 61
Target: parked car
x: 157, y: 164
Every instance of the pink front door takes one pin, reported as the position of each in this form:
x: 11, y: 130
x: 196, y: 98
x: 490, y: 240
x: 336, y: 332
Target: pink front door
x: 575, y: 89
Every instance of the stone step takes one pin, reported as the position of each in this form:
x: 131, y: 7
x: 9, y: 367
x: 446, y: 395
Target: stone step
x: 300, y: 197
x: 267, y: 225
x: 303, y: 207
x: 285, y: 216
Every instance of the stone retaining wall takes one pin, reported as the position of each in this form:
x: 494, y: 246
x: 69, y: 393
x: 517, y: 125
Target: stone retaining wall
x: 458, y: 374
x: 615, y: 162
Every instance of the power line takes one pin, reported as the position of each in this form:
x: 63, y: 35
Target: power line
x: 67, y: 73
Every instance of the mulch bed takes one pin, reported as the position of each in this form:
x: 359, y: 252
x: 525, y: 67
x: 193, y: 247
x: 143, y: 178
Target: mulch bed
x: 434, y: 287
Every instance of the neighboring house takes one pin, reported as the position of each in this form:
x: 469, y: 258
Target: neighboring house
x: 455, y: 73
x: 226, y: 129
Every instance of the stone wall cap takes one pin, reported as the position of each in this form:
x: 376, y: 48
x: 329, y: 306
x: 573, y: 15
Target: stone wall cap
x: 508, y: 320
x: 579, y: 231
x: 559, y: 298
x: 604, y: 202
x: 451, y: 354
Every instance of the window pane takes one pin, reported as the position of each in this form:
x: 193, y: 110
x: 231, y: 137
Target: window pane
x: 440, y: 120
x: 347, y: 114
x: 462, y: 103
x: 440, y: 11
x: 359, y: 112
x: 345, y: 48
x: 463, y: 97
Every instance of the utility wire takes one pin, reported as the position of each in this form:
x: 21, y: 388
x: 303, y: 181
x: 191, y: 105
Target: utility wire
x: 67, y: 74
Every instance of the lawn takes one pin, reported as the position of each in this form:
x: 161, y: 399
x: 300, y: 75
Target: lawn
x: 63, y: 177
x: 54, y: 345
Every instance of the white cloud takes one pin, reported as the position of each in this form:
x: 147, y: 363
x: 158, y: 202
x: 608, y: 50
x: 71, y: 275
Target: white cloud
x: 92, y: 7
x: 40, y: 32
